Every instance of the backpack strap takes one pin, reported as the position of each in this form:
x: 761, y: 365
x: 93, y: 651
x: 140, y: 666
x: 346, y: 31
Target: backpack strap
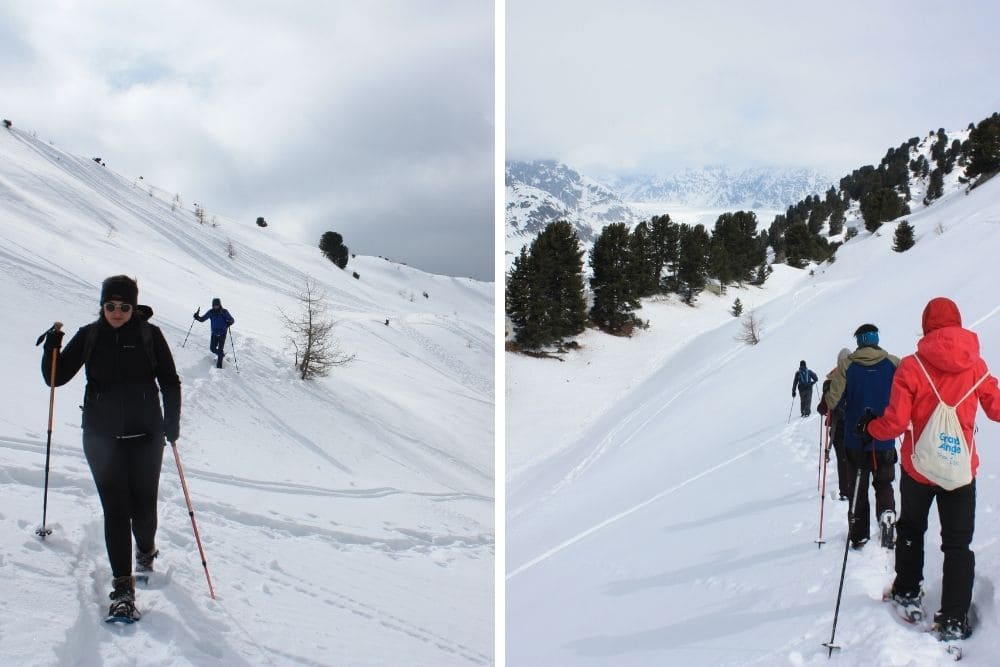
x: 936, y: 394
x: 145, y: 332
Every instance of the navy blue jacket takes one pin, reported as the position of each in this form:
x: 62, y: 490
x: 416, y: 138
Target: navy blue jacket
x: 221, y: 319
x: 863, y: 380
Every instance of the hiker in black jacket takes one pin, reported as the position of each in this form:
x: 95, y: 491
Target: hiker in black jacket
x: 124, y: 429
x: 803, y: 382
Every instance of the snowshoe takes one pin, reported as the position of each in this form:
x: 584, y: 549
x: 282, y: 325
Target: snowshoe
x: 887, y: 527
x: 122, y: 608
x: 909, y: 607
x: 144, y: 565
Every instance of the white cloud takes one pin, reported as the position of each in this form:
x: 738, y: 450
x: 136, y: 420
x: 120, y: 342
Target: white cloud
x: 265, y: 107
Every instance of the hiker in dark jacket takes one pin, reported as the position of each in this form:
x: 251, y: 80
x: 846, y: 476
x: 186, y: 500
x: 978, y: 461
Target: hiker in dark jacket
x: 124, y: 428
x: 835, y: 424
x: 861, y: 383
x: 803, y: 382
x: 221, y: 321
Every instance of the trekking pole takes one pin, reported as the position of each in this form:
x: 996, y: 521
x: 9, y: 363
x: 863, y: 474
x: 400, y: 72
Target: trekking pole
x: 819, y: 462
x: 43, y: 530
x: 825, y: 453
x: 847, y: 543
x: 789, y: 420
x: 187, y: 499
x: 188, y: 333
x: 232, y: 344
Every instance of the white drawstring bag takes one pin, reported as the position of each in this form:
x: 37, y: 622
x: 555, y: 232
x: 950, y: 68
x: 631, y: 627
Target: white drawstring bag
x: 941, y: 453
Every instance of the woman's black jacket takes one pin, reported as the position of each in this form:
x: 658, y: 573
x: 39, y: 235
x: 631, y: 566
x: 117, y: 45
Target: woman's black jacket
x: 121, y: 395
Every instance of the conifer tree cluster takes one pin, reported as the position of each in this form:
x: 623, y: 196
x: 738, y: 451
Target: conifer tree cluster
x: 882, y: 192
x: 544, y: 296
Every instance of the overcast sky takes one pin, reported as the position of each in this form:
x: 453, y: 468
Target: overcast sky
x: 370, y: 118
x: 621, y: 85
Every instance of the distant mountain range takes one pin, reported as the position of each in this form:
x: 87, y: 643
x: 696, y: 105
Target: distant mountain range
x: 542, y: 191
x: 756, y: 188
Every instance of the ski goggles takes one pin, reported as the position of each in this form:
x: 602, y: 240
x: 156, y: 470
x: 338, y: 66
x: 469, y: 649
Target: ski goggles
x: 124, y: 307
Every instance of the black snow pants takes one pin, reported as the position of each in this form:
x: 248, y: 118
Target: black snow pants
x: 957, y: 514
x: 127, y: 474
x: 881, y: 470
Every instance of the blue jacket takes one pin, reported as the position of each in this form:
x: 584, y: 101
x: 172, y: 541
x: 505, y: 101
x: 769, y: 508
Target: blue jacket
x: 862, y: 380
x: 221, y: 319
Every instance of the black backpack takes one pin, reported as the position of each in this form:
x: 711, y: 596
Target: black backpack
x: 144, y: 313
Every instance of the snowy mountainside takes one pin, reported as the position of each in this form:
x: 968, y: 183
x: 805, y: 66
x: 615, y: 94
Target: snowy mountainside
x: 346, y: 520
x: 720, y: 187
x: 544, y: 191
x: 670, y: 516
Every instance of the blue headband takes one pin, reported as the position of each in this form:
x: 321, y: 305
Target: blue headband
x: 868, y: 338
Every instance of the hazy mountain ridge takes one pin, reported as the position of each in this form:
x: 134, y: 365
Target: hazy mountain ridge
x: 721, y: 187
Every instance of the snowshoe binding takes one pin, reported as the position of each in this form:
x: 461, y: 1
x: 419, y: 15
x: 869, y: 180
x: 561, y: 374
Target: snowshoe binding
x: 122, y: 609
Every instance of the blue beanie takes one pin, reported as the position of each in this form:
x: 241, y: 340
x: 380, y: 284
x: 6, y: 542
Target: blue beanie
x: 216, y: 302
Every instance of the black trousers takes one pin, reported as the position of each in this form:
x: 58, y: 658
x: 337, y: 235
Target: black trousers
x: 844, y: 477
x: 805, y: 398
x: 127, y: 475
x: 218, y: 346
x: 881, y: 470
x: 957, y: 513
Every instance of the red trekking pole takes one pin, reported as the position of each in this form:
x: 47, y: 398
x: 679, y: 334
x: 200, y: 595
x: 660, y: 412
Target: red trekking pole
x: 819, y: 462
x: 822, y: 498
x: 187, y: 498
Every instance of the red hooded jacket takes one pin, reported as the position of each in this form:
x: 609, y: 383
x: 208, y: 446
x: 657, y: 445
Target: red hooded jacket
x: 951, y: 356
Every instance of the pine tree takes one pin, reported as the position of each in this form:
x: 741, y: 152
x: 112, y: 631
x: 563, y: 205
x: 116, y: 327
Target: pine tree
x: 984, y: 147
x: 332, y: 245
x: 642, y: 272
x: 614, y: 295
x: 737, y: 308
x: 692, y: 268
x: 903, y: 238
x: 798, y: 245
x: 935, y: 187
x: 544, y: 295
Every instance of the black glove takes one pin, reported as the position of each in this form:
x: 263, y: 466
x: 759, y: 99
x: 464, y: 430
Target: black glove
x: 821, y: 408
x: 197, y: 312
x: 793, y: 393
x: 171, y: 431
x: 861, y: 428
x: 53, y: 338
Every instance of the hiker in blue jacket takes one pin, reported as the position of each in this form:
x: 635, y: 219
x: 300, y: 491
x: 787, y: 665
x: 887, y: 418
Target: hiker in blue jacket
x: 221, y: 321
x: 803, y: 382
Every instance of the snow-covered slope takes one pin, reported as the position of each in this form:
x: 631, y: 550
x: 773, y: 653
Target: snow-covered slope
x: 662, y: 498
x: 346, y: 521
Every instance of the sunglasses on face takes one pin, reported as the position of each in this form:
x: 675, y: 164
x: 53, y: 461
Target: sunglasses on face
x: 124, y: 307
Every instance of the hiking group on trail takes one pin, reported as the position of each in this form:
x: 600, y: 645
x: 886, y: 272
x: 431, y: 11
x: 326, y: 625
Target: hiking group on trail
x: 931, y: 398
x: 128, y: 366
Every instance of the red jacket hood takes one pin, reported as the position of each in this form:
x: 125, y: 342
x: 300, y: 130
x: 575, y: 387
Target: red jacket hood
x: 946, y: 345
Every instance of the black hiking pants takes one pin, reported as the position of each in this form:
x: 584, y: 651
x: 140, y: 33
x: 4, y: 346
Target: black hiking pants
x: 805, y: 396
x: 881, y: 470
x: 844, y: 476
x: 957, y: 513
x: 127, y: 475
x: 218, y: 346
